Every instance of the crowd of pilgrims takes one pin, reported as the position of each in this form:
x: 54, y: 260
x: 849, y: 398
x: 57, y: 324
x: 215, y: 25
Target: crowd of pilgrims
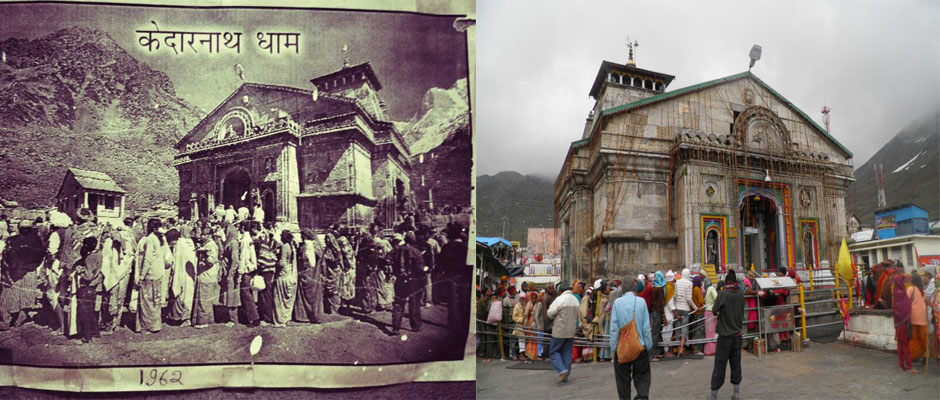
x: 680, y: 309
x: 78, y: 278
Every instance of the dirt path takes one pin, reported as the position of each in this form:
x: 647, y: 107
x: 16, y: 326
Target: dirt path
x: 342, y: 340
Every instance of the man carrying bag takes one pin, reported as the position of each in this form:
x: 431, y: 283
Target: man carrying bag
x: 729, y: 309
x: 630, y: 343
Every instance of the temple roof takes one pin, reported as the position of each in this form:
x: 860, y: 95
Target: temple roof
x: 608, y: 66
x: 327, y: 105
x: 364, y: 68
x: 610, y: 112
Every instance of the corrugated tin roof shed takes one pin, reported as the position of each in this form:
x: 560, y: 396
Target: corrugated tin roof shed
x: 95, y: 180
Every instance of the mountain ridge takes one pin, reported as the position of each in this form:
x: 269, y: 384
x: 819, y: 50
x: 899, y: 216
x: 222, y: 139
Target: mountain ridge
x: 911, y: 169
x: 527, y: 201
x: 443, y: 112
x: 75, y: 98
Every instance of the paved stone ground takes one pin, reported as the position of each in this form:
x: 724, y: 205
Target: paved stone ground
x: 821, y: 371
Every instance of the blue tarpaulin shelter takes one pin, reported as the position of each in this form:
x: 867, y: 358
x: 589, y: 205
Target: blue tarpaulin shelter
x: 494, y: 259
x: 489, y: 241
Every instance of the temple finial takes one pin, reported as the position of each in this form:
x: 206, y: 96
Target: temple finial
x: 631, y: 45
x: 345, y: 56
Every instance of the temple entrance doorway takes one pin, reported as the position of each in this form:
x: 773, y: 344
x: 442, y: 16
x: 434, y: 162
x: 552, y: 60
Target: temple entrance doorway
x: 267, y: 204
x: 760, y: 220
x: 809, y: 250
x: 235, y: 188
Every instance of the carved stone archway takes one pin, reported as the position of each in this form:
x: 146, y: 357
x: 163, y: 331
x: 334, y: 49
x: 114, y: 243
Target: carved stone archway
x: 759, y: 129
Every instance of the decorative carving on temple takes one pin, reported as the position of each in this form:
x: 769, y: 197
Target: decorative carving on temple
x: 235, y: 123
x: 806, y: 198
x: 330, y: 123
x: 761, y: 130
x: 711, y: 188
x: 285, y: 124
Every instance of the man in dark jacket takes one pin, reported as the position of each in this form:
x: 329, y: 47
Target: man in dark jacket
x: 455, y: 277
x: 729, y: 309
x: 409, y: 283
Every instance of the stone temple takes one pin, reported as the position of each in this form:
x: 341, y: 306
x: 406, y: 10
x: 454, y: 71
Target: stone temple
x: 312, y: 157
x: 723, y: 174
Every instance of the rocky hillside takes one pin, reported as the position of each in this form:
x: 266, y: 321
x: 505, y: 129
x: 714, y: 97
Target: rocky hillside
x: 75, y: 98
x: 447, y: 170
x: 439, y: 137
x: 525, y: 201
x: 442, y: 114
x: 911, y: 169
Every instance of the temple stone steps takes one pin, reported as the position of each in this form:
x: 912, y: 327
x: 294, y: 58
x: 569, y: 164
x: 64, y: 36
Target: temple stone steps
x: 823, y: 319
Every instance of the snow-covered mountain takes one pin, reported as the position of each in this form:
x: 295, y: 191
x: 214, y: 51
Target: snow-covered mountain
x: 443, y: 112
x: 911, y: 168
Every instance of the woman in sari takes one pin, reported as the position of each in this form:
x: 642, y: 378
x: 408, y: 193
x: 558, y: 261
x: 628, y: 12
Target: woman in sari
x: 207, y: 282
x: 332, y: 275
x: 751, y: 301
x: 229, y: 297
x: 519, y: 317
x: 532, y: 344
x: 669, y: 291
x: 116, y: 268
x: 368, y: 275
x: 183, y: 283
x: 697, y: 329
x: 603, y: 317
x: 918, y: 339
x: 901, y: 308
x: 309, y: 281
x: 538, y: 323
x: 933, y: 321
x: 386, y: 289
x: 710, y: 322
x: 587, y: 322
x: 577, y: 289
x: 285, y: 283
x: 348, y: 285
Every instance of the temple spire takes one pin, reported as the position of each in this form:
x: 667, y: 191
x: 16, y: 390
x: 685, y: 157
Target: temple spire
x: 345, y: 55
x: 631, y: 45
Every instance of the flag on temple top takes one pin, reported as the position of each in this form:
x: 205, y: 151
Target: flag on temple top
x: 844, y: 265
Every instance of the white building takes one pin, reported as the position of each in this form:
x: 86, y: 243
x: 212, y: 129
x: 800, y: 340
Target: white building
x: 915, y: 251
x: 93, y: 190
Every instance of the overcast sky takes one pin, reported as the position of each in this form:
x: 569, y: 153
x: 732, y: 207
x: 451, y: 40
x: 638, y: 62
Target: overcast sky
x: 410, y: 53
x: 876, y: 64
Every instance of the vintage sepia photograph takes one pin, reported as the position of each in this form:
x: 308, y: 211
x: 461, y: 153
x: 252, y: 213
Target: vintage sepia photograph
x: 189, y: 186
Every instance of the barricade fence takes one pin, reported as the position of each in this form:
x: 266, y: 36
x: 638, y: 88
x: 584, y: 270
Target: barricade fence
x: 501, y: 333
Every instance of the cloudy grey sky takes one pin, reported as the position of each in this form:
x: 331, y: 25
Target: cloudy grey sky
x: 876, y: 64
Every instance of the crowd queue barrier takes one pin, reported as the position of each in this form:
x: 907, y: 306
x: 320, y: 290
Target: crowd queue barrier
x: 793, y: 311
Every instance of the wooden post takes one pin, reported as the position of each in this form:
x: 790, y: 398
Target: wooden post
x: 802, y: 311
x: 502, y: 354
x: 811, y: 277
x: 851, y: 299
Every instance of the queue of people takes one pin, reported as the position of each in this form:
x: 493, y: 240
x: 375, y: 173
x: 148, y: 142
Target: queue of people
x: 687, y: 311
x: 80, y: 278
x: 916, y: 314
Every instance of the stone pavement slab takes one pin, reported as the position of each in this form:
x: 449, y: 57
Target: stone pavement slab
x: 821, y: 371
